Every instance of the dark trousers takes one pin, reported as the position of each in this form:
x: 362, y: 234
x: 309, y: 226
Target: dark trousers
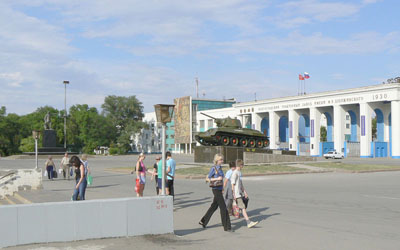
x: 171, y: 187
x: 49, y: 172
x: 218, y: 202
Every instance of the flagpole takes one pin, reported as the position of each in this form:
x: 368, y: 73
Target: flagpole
x: 298, y: 85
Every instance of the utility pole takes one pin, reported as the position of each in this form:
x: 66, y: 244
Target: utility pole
x: 65, y: 114
x: 197, y: 87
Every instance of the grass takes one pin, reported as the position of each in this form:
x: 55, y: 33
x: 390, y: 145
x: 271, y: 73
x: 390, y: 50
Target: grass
x: 353, y: 167
x: 253, y: 169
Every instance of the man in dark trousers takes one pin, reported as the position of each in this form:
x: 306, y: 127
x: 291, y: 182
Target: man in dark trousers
x: 170, y: 165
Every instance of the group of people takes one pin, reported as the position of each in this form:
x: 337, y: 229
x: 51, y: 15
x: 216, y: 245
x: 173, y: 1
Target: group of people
x: 69, y: 166
x: 156, y: 174
x: 235, y: 193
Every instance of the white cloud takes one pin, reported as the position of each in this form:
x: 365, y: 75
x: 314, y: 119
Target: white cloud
x: 316, y: 44
x: 13, y: 79
x: 296, y: 13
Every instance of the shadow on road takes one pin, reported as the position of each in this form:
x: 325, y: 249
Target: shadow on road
x: 189, y: 203
x: 103, y: 186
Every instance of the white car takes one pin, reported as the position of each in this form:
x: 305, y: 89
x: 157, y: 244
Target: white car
x: 334, y: 155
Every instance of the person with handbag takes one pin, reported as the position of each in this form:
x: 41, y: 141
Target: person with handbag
x: 141, y: 171
x: 80, y: 178
x: 65, y: 166
x: 228, y: 196
x: 215, y: 178
x: 239, y: 192
x: 50, y: 168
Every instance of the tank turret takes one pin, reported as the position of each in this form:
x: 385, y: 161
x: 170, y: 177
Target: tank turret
x: 229, y: 132
x: 225, y: 122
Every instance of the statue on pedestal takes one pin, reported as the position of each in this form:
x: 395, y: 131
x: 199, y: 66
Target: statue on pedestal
x: 47, y: 121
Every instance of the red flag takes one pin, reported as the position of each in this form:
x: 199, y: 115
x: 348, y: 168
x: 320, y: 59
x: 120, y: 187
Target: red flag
x: 301, y: 77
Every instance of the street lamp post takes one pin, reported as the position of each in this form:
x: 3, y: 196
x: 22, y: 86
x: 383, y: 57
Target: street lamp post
x: 36, y: 134
x: 164, y: 113
x: 65, y: 114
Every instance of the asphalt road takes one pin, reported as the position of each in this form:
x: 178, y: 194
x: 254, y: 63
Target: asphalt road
x: 299, y: 211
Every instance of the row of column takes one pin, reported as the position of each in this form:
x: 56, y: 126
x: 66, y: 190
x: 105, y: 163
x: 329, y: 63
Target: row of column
x: 339, y: 113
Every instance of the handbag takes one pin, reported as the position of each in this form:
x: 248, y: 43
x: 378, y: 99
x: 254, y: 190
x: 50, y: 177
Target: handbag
x: 137, y: 185
x: 55, y: 175
x: 216, y: 183
x: 235, y: 210
x: 89, y: 180
x: 245, y: 201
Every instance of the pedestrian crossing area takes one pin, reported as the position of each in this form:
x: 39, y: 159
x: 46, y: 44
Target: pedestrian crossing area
x: 16, y: 199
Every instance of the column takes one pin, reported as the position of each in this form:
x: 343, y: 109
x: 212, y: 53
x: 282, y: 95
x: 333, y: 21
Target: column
x: 293, y: 129
x: 386, y: 112
x: 339, y: 116
x: 395, y: 106
x: 315, y: 124
x: 256, y: 120
x: 366, y: 130
x: 186, y: 148
x: 273, y: 129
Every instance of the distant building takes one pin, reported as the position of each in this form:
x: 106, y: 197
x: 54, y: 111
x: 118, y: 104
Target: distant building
x: 149, y: 139
x: 179, y: 132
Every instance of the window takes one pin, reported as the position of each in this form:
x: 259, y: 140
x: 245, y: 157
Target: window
x: 347, y: 125
x: 201, y: 124
x: 347, y: 117
x: 210, y: 123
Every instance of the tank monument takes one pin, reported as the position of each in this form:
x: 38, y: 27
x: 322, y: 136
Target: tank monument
x: 235, y: 142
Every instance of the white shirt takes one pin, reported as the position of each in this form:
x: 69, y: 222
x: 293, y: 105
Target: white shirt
x: 235, y: 180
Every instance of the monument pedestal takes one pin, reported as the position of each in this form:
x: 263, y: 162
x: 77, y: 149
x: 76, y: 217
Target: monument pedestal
x: 50, y: 143
x: 205, y: 154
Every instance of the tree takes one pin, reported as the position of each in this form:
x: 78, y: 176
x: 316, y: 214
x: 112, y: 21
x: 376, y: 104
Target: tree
x: 87, y: 129
x: 374, y: 128
x: 9, y: 134
x: 323, y: 133
x: 126, y: 115
x: 393, y: 80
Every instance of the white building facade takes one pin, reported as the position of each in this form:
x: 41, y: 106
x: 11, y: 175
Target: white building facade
x: 294, y: 123
x: 149, y: 139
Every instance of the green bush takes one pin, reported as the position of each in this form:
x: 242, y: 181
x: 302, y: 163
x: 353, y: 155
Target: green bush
x: 27, y: 145
x: 113, y: 151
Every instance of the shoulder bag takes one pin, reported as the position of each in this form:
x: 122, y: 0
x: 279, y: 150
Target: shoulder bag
x: 216, y: 183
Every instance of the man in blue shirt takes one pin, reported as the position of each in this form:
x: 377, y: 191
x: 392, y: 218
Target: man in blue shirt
x: 171, y: 165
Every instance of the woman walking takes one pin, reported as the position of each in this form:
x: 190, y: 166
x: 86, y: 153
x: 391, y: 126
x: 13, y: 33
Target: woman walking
x: 215, y: 177
x: 50, y: 168
x: 80, y: 177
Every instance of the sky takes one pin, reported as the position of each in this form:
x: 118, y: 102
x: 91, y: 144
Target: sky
x: 155, y: 49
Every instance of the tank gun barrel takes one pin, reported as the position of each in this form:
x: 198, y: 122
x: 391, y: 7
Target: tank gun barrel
x: 208, y: 116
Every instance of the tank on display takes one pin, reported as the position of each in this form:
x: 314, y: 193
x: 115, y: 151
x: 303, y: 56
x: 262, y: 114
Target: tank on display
x: 231, y: 133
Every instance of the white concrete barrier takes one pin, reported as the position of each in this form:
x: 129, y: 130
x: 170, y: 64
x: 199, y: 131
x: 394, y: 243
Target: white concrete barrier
x: 80, y: 220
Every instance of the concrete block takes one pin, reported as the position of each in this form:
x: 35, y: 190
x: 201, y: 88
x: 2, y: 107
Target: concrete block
x: 162, y: 220
x: 114, y: 216
x: 60, y: 223
x: 32, y: 223
x: 87, y: 218
x: 139, y: 216
x: 8, y: 226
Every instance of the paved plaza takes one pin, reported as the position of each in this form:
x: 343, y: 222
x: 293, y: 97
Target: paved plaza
x: 298, y: 211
